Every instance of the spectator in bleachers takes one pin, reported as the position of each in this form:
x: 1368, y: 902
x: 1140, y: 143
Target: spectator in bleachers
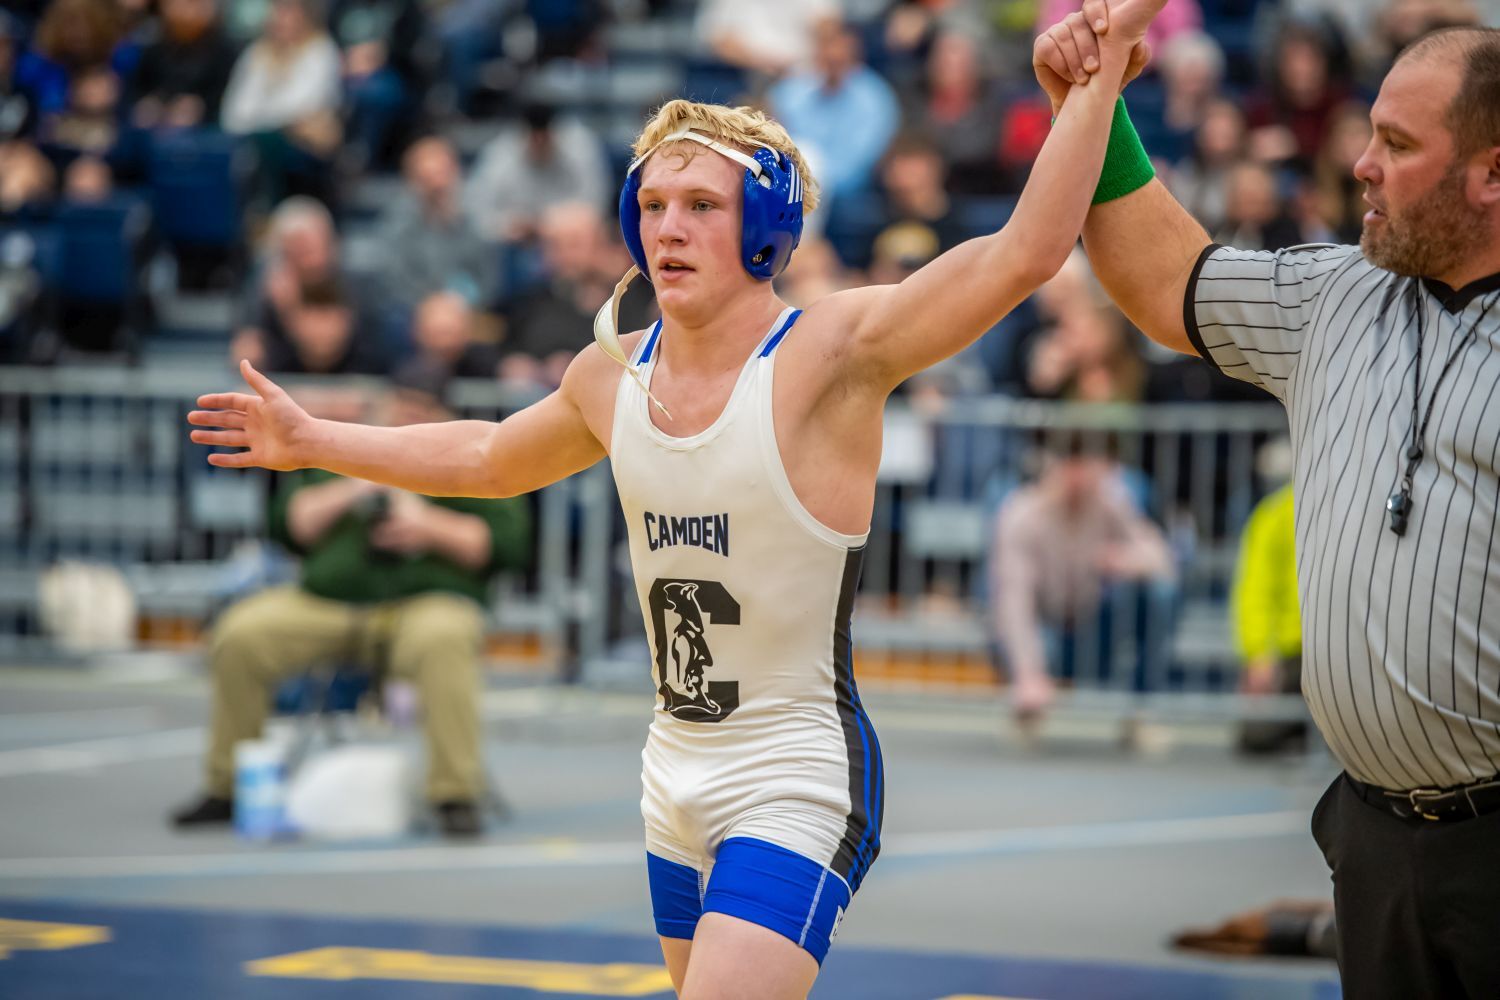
x: 839, y: 112
x: 1339, y: 196
x: 180, y: 79
x: 1290, y: 112
x: 1201, y: 180
x: 1071, y: 551
x: 1086, y: 351
x: 1256, y: 217
x: 913, y: 183
x: 443, y: 333
x: 536, y: 164
x: 15, y: 105
x: 551, y: 323
x: 378, y: 42
x: 1191, y: 66
x: 911, y: 29
x: 1265, y: 617
x: 91, y: 122
x: 768, y: 38
x: 88, y: 181
x: 901, y: 249
x: 1398, y: 23
x: 76, y: 45
x: 391, y: 582
x: 959, y: 106
x: 284, y: 91
x: 428, y: 242
x: 304, y: 251
x: 326, y: 335
x: 26, y: 177
x: 815, y: 271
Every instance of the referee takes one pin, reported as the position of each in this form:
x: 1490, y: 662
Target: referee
x: 1387, y: 357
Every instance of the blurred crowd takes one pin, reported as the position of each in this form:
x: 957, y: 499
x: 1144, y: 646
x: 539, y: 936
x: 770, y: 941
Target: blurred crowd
x: 425, y: 189
x: 233, y: 138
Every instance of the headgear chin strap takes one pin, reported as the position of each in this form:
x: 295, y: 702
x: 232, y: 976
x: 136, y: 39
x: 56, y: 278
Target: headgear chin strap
x: 771, y: 227
x: 607, y: 334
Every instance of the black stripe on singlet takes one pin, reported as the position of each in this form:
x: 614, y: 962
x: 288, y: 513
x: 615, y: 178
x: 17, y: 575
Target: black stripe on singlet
x: 861, y: 840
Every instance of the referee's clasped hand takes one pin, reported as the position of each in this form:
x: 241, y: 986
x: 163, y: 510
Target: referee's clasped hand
x: 1067, y: 53
x: 267, y: 424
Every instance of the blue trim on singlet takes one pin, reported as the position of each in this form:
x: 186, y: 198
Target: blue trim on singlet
x: 776, y: 337
x: 756, y: 881
x: 651, y: 340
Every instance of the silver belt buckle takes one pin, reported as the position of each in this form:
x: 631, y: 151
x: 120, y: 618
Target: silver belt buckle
x: 1416, y: 807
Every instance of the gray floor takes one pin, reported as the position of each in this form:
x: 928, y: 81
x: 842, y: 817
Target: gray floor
x: 1069, y: 848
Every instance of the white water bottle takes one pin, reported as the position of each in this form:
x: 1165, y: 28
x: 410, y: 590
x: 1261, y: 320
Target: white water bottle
x: 260, y: 789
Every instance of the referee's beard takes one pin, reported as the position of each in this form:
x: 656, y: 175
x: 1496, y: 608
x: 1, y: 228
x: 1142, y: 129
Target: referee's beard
x: 1430, y: 237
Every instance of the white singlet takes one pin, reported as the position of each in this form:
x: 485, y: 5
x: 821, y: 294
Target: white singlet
x: 758, y: 730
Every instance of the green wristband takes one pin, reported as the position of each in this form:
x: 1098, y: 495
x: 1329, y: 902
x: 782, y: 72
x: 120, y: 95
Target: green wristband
x: 1126, y: 166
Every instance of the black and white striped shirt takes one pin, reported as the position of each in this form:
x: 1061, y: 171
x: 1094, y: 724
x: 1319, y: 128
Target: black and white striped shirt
x: 1401, y: 634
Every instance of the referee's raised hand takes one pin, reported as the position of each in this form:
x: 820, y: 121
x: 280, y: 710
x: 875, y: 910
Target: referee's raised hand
x: 266, y: 424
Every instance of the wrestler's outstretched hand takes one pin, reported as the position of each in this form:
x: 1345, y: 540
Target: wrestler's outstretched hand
x: 267, y: 424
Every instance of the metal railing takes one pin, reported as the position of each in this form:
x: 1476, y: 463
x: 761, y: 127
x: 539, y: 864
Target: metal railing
x: 97, y: 465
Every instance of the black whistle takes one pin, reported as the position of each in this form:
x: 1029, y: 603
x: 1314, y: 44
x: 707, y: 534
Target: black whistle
x: 1399, y: 506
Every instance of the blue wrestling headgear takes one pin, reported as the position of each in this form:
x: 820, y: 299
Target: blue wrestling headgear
x: 772, y: 215
x: 771, y: 228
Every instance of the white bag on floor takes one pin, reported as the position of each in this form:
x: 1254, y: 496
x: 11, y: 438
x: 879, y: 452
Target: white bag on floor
x: 353, y: 792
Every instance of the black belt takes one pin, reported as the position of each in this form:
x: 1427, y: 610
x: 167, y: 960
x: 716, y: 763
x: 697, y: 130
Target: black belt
x: 1446, y: 805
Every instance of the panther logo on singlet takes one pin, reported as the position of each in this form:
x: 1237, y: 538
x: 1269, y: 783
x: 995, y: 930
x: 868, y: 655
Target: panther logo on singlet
x: 682, y: 613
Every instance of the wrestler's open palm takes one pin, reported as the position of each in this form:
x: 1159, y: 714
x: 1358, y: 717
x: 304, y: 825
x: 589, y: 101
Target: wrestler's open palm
x: 266, y: 424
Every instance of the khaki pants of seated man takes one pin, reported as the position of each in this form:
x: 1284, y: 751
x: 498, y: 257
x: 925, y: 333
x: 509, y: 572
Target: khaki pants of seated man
x: 432, y: 640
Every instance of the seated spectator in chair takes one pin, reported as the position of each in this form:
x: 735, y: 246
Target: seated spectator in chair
x: 1256, y: 216
x: 383, y: 82
x: 1266, y: 617
x: 554, y: 321
x: 26, y: 177
x: 1200, y: 181
x: 392, y: 581
x: 1072, y: 551
x: 840, y: 112
x: 88, y: 181
x: 1191, y: 66
x: 284, y: 93
x: 77, y: 42
x: 1338, y: 196
x: 767, y: 38
x: 180, y: 79
x: 303, y: 251
x: 15, y: 104
x: 326, y: 336
x: 90, y: 124
x: 958, y: 104
x: 913, y: 181
x: 1086, y: 351
x: 1290, y: 114
x: 533, y: 166
x: 428, y: 242
x: 443, y: 330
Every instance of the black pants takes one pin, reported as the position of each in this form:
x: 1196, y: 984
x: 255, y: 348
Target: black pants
x: 1417, y: 902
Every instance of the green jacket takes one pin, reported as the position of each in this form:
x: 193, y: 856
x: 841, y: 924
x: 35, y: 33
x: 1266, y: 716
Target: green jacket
x: 1267, y: 618
x: 342, y: 566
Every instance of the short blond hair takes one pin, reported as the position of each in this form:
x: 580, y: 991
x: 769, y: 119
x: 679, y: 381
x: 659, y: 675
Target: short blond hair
x: 744, y: 128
